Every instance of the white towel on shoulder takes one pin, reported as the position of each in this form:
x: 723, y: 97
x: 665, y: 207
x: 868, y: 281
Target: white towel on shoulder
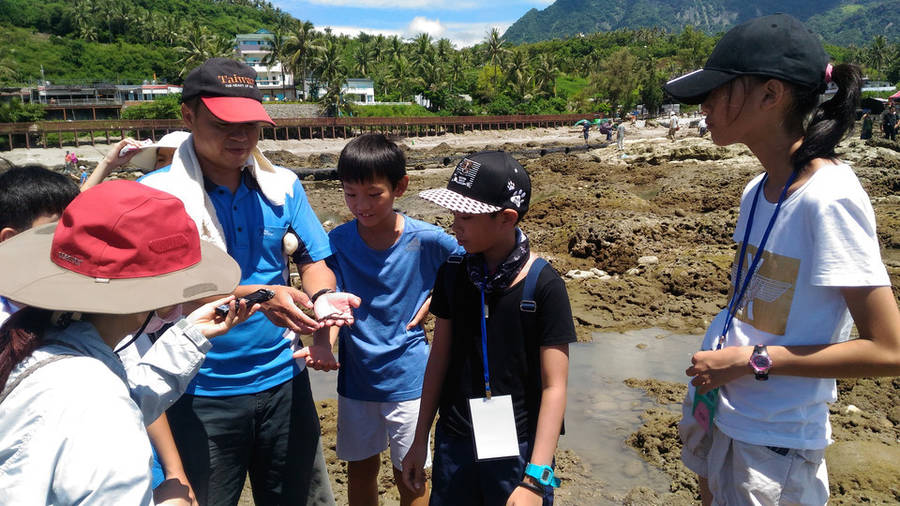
x: 184, y: 179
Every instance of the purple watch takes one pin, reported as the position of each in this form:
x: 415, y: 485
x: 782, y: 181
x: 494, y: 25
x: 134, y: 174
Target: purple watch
x: 761, y: 362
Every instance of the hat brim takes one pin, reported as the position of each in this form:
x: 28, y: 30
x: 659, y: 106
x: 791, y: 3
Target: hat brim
x: 453, y: 201
x: 30, y: 278
x: 237, y: 109
x: 694, y: 87
x: 146, y: 156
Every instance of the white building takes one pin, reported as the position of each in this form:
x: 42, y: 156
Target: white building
x: 360, y: 91
x: 273, y: 81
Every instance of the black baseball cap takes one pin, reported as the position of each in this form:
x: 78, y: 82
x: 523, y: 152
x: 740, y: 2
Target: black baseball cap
x: 778, y: 46
x: 228, y: 89
x: 485, y: 182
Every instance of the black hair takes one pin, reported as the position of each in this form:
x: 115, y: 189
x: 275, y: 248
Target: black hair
x: 20, y: 335
x: 371, y: 156
x: 31, y: 191
x: 826, y: 122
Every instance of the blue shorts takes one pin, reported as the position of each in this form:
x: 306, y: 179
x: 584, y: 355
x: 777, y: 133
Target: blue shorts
x: 456, y: 478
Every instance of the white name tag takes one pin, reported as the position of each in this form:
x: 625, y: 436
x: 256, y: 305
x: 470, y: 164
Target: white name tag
x: 494, y: 425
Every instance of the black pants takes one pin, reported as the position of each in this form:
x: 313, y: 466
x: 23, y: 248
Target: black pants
x: 273, y: 435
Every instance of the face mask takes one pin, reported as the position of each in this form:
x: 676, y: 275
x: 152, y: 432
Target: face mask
x: 158, y: 321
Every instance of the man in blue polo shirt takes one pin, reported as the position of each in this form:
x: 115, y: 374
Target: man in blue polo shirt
x: 250, y: 409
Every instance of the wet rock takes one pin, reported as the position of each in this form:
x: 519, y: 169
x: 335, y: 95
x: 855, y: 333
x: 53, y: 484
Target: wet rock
x: 648, y: 260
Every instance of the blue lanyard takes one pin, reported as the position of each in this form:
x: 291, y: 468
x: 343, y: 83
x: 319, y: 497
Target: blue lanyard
x: 484, y: 350
x: 738, y: 295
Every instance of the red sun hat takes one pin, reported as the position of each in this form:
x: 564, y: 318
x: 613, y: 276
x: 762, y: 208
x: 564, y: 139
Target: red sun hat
x: 118, y: 248
x: 228, y: 89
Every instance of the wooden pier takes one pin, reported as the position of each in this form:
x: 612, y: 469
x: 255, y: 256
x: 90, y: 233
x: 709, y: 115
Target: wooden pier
x: 45, y: 134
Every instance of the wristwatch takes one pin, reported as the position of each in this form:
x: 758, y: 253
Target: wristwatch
x: 761, y: 362
x: 543, y: 474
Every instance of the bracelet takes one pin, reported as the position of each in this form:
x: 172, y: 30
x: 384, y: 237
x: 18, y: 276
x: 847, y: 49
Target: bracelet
x: 320, y: 293
x: 534, y: 488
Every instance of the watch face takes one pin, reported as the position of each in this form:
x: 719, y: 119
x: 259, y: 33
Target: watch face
x: 546, y: 474
x: 761, y: 362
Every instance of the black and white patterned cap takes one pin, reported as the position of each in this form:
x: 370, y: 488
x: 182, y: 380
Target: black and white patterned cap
x: 484, y: 182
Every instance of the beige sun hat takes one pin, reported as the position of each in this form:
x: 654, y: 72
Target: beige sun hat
x: 120, y: 247
x: 146, y: 159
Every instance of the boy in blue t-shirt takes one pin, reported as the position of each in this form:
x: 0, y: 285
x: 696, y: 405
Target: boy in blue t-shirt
x: 390, y: 261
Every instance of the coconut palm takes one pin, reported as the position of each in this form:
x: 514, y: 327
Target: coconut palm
x: 200, y: 45
x: 878, y: 53
x: 495, y: 53
x: 545, y: 73
x: 362, y: 60
x: 301, y: 49
x: 329, y: 70
x: 278, y: 55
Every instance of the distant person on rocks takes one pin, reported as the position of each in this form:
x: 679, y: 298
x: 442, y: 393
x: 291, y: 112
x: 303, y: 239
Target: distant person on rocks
x: 755, y: 421
x: 391, y: 261
x: 499, y: 359
x: 889, y: 122
x: 673, y: 126
x: 701, y: 126
x: 250, y: 409
x: 620, y: 135
x: 585, y: 130
x: 865, y: 131
x: 83, y: 177
x: 70, y: 164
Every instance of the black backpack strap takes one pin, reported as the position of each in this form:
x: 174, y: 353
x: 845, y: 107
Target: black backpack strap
x: 453, y: 262
x: 528, y: 303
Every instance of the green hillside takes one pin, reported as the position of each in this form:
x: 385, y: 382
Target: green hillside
x: 116, y: 41
x: 840, y: 22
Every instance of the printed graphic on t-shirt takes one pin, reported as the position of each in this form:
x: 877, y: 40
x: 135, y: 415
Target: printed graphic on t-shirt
x: 414, y: 245
x: 767, y: 301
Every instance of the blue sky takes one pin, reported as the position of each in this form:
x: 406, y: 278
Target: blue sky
x: 464, y: 22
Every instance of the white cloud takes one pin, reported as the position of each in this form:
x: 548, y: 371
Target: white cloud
x: 469, y: 34
x: 402, y: 4
x: 460, y: 34
x: 421, y: 24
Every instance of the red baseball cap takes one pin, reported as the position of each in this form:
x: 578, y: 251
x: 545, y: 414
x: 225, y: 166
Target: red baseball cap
x: 120, y: 247
x: 228, y: 89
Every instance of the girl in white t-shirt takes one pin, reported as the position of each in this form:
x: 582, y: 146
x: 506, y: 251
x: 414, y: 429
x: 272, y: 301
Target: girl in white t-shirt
x: 808, y: 266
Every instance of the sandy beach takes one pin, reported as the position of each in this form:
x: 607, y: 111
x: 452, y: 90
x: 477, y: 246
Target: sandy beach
x: 645, y: 242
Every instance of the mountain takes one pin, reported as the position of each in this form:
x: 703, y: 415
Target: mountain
x: 838, y: 21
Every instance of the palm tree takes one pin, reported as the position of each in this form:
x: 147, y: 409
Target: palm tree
x: 363, y: 60
x: 545, y: 73
x: 494, y: 50
x: 457, y: 67
x: 394, y: 47
x: 200, y: 45
x: 301, y: 48
x: 518, y: 72
x: 423, y: 48
x: 329, y: 70
x: 278, y: 56
x: 878, y: 52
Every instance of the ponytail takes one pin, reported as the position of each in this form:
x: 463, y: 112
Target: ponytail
x: 22, y: 333
x: 828, y: 121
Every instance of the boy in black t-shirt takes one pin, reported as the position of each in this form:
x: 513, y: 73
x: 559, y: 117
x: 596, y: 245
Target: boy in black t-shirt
x: 483, y: 304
